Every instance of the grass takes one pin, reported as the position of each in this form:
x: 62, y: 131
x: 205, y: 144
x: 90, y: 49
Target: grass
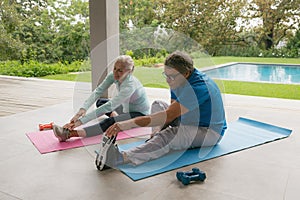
x: 285, y: 91
x: 151, y: 77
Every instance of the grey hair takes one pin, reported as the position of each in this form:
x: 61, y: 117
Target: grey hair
x: 127, y: 61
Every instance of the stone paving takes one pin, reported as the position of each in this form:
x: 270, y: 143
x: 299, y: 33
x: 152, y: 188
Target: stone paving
x: 266, y: 172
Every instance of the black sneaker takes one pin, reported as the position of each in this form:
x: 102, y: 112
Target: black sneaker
x: 109, y: 155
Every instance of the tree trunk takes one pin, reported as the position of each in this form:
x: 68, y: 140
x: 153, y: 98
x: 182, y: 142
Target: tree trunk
x: 268, y: 41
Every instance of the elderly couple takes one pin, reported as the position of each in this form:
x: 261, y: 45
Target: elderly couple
x: 195, y: 117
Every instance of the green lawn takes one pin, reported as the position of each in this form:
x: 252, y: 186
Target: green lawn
x: 151, y: 77
x: 284, y: 91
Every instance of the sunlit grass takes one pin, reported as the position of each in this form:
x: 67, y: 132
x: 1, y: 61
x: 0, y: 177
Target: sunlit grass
x: 151, y: 77
x: 285, y: 91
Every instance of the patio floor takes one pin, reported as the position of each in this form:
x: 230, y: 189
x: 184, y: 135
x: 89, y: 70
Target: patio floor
x: 266, y: 172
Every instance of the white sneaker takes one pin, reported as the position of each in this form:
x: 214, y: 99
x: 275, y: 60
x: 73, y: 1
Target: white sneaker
x: 109, y: 155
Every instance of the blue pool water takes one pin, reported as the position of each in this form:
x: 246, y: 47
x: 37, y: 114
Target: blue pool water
x: 272, y: 73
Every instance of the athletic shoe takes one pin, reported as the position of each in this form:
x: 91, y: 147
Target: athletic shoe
x: 61, y: 133
x: 109, y: 155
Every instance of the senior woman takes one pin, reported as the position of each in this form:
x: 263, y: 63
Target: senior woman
x: 130, y: 101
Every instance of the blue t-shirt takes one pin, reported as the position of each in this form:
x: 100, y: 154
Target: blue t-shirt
x: 202, y: 97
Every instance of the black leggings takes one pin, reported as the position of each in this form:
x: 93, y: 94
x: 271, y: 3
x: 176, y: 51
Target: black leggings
x: 101, y: 127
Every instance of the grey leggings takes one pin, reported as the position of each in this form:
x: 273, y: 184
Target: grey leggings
x: 178, y: 137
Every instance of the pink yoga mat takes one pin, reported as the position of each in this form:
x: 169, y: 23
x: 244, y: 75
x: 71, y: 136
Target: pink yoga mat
x: 46, y: 142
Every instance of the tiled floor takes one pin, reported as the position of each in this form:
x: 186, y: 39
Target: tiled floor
x: 266, y: 172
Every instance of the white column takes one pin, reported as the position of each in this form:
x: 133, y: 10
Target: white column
x: 104, y: 33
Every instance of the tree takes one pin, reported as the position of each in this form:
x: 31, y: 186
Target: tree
x: 10, y: 47
x: 35, y: 31
x: 71, y: 22
x: 210, y: 22
x: 278, y: 19
x: 140, y: 13
x: 294, y: 44
x: 44, y: 30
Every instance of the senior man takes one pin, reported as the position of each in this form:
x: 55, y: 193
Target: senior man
x: 195, y: 117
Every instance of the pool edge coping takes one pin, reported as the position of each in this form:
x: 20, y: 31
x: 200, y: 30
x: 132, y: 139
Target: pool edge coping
x: 204, y: 69
x: 233, y: 63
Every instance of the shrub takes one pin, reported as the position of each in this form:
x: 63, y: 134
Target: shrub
x: 148, y: 62
x: 37, y: 69
x: 147, y: 57
x: 239, y: 51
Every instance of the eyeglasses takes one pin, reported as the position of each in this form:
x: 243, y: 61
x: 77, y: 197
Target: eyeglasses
x: 171, y: 77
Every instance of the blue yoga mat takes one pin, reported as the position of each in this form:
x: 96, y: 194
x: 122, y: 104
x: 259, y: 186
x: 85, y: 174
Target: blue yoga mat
x: 241, y: 134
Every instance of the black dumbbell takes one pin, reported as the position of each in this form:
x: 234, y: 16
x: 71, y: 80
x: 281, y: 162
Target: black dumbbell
x: 195, y: 175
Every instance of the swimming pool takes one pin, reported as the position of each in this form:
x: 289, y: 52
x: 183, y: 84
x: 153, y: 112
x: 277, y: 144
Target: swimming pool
x: 273, y: 73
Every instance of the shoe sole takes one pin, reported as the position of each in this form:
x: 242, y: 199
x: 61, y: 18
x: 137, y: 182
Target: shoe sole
x: 101, y: 157
x: 58, y: 137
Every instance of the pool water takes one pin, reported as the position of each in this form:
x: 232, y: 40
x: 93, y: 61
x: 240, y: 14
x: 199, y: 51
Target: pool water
x: 272, y: 73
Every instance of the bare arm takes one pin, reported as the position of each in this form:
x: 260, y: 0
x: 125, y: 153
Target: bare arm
x: 155, y: 119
